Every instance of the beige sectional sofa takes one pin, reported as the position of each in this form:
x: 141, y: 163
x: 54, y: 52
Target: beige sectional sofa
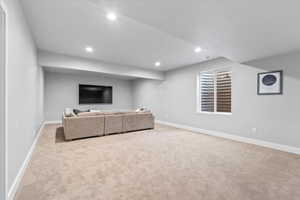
x: 105, y: 123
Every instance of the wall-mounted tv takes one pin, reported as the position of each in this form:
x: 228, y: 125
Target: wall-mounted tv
x: 95, y: 94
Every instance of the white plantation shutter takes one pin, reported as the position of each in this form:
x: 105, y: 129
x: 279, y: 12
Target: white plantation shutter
x: 215, y: 91
x: 207, y: 92
x: 223, y: 80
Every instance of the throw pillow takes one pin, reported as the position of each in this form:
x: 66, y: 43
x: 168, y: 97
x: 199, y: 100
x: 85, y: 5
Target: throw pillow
x: 68, y: 112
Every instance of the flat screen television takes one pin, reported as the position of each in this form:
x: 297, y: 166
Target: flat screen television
x: 95, y: 94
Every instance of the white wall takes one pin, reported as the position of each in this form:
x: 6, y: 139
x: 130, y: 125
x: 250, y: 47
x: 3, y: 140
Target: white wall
x: 276, y: 117
x: 61, y: 91
x: 24, y: 89
x: 2, y: 106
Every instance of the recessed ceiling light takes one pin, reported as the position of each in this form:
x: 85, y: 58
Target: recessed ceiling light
x: 157, y: 64
x: 198, y: 49
x: 89, y: 49
x: 111, y: 16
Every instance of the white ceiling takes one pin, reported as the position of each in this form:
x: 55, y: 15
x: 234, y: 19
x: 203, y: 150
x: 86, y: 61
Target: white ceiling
x: 165, y: 30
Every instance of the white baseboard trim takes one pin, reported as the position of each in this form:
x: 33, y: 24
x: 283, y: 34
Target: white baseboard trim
x: 280, y: 147
x: 53, y: 122
x: 13, y: 189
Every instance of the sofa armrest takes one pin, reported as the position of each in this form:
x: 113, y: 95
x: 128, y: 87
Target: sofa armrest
x: 144, y: 121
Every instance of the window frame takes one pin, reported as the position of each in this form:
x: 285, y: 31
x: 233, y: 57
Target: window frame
x: 198, y: 92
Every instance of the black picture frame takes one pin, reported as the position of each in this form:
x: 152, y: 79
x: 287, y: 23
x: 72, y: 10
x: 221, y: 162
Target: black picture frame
x: 280, y: 92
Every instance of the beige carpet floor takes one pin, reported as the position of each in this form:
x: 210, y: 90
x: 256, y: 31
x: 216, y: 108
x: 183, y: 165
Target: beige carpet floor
x: 160, y: 164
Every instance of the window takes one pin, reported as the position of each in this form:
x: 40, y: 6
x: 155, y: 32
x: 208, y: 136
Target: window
x: 214, y: 91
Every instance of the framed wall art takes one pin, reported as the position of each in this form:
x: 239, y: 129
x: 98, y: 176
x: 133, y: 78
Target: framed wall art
x: 269, y: 83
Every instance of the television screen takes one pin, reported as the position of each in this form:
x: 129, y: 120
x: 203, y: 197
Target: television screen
x: 95, y: 94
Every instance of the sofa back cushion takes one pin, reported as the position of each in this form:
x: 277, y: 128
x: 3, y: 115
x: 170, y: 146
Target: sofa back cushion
x: 76, y: 111
x: 83, y: 114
